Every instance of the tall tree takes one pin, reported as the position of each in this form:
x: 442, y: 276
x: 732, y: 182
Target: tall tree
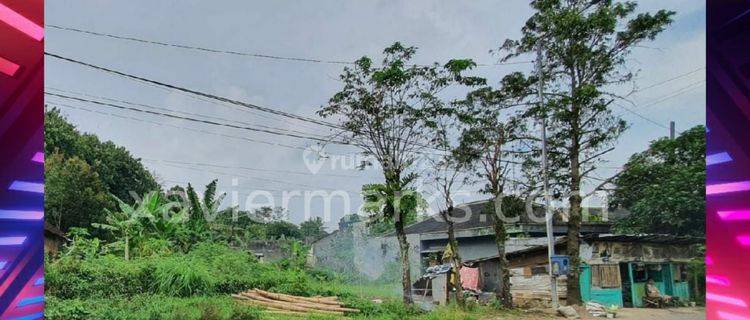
x: 74, y: 194
x: 663, y: 187
x: 447, y: 173
x: 122, y: 174
x: 585, y: 45
x: 490, y: 140
x: 382, y: 110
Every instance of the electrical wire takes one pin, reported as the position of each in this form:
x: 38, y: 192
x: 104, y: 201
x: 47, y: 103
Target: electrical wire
x: 232, y: 52
x: 177, y: 127
x: 249, y: 128
x: 198, y: 93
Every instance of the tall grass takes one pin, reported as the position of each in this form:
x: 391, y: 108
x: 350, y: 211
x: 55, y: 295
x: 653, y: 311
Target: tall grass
x: 182, y: 277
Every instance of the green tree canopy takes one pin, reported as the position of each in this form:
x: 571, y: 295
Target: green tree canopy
x: 74, y: 193
x: 312, y: 228
x: 116, y: 168
x: 585, y: 46
x: 664, y: 187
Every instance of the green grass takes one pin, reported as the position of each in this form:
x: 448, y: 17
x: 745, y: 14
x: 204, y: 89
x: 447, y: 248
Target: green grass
x: 396, y: 311
x: 197, y: 285
x: 363, y: 290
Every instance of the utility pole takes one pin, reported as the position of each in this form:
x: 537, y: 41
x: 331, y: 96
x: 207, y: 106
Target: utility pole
x: 545, y: 176
x: 671, y: 130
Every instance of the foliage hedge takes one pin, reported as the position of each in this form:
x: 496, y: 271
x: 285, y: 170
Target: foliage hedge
x: 149, y: 307
x: 184, y: 286
x: 208, y: 269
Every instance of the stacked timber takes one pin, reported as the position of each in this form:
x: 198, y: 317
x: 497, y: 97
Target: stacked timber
x: 289, y: 304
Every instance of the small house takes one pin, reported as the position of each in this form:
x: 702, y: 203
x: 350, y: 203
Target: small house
x: 54, y: 238
x: 614, y: 269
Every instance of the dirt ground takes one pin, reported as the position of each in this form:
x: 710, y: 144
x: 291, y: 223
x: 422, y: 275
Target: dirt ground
x: 663, y: 314
x: 626, y: 314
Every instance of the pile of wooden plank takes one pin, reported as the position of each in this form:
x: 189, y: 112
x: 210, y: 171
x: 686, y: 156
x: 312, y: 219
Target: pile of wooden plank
x: 289, y: 304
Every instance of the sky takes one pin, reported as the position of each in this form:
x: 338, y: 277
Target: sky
x: 178, y: 151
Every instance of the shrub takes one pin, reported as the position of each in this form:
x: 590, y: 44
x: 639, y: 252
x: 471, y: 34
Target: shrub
x: 182, y: 277
x: 99, y: 277
x: 150, y: 307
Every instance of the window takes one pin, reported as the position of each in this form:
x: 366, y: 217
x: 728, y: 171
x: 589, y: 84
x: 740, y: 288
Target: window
x: 530, y: 271
x: 605, y: 275
x: 539, y: 270
x: 679, y: 272
x: 639, y: 273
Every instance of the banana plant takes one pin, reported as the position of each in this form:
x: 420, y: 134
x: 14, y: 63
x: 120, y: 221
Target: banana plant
x: 124, y: 223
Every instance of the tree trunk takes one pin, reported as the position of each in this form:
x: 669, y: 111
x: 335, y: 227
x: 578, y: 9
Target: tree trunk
x: 394, y: 181
x: 503, y: 290
x: 573, y: 296
x: 574, y: 229
x: 127, y: 248
x: 456, y: 257
x: 405, y: 268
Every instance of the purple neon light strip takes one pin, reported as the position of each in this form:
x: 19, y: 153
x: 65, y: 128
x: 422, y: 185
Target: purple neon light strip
x: 731, y: 316
x: 21, y: 23
x: 8, y: 67
x: 11, y: 241
x: 734, y: 215
x: 38, y: 157
x: 33, y: 316
x: 718, y: 158
x: 726, y: 299
x: 31, y: 300
x: 21, y: 215
x: 720, y: 280
x: 744, y: 239
x: 27, y: 186
x: 727, y: 187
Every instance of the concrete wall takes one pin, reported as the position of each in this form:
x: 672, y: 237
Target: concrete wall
x: 355, y: 251
x: 272, y: 250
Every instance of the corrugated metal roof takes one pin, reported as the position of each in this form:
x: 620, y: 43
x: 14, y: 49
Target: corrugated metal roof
x: 475, y: 215
x: 645, y: 238
x: 641, y: 238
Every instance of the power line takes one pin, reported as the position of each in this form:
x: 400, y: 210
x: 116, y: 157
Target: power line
x: 642, y: 116
x: 680, y: 76
x: 219, y: 98
x: 199, y: 93
x: 323, y: 153
x: 676, y: 93
x: 231, y: 52
x: 663, y: 98
x: 254, y: 177
x: 106, y: 104
x: 177, y: 127
x: 251, y: 189
x: 184, y: 112
x: 252, y: 169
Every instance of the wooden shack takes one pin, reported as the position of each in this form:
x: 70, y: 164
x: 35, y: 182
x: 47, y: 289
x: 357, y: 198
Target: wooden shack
x: 54, y: 238
x: 614, y: 269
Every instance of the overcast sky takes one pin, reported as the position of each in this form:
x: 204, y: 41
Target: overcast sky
x: 327, y: 30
